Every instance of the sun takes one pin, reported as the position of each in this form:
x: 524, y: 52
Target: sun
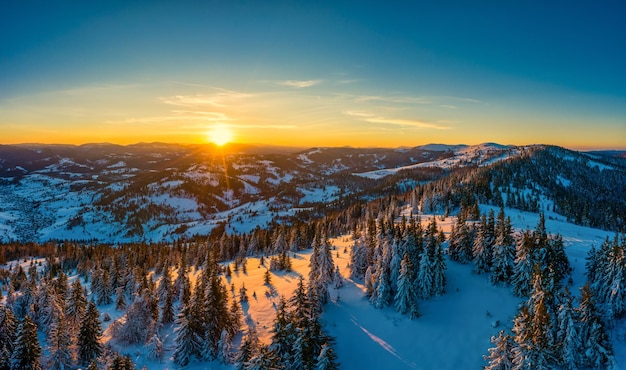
x: 220, y: 135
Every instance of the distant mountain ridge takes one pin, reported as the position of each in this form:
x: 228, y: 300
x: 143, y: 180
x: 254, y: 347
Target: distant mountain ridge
x: 158, y: 191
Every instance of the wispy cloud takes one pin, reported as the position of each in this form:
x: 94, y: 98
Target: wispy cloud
x: 223, y: 98
x: 373, y: 118
x: 407, y: 122
x: 358, y: 113
x: 448, y: 106
x: 395, y: 99
x: 299, y: 83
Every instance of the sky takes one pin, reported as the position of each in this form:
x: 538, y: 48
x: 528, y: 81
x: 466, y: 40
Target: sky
x: 323, y: 73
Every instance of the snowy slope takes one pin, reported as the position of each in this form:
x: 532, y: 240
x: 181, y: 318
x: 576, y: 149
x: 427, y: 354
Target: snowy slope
x: 480, y: 155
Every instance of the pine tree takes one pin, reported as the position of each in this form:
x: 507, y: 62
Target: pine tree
x: 89, y: 347
x: 75, y: 308
x: 598, y: 352
x: 120, y: 298
x: 26, y: 350
x: 165, y: 284
x: 568, y: 337
x: 524, y: 265
x: 327, y: 359
x: 249, y: 346
x: 283, y: 335
x: 121, y: 362
x: 167, y: 309
x: 225, y: 348
x: 8, y: 328
x: 337, y: 278
x: 406, y: 297
x: 138, y: 322
x: 188, y: 337
x: 501, y: 356
x: 155, y: 348
x: 503, y: 259
x: 482, y: 249
x: 425, y: 277
x: 59, y: 344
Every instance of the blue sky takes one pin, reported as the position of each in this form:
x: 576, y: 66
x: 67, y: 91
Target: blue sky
x: 323, y: 73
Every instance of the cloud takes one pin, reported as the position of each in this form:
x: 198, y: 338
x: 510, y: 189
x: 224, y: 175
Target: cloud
x: 448, y: 106
x: 358, y: 114
x: 299, y: 83
x: 407, y: 122
x: 178, y: 116
x: 396, y: 99
x: 223, y: 98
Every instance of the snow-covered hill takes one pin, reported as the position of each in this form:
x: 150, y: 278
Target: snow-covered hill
x: 154, y: 192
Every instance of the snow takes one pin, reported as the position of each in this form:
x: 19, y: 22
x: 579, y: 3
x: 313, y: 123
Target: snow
x: 483, y: 155
x: 119, y: 164
x: 250, y: 178
x: 453, y: 332
x: 305, y: 158
x: 326, y: 194
x: 563, y: 181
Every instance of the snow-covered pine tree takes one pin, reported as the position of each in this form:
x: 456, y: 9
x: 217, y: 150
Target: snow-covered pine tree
x: 327, y: 359
x: 165, y: 284
x: 337, y: 278
x: 542, y: 322
x: 283, y: 335
x: 167, y: 308
x: 406, y: 297
x: 503, y: 259
x: 482, y: 251
x: 138, y: 322
x: 501, y: 356
x: 121, y: 362
x: 523, y: 353
x: 225, y: 348
x: 120, y: 298
x: 8, y: 329
x: 568, y: 338
x: 248, y: 349
x: 598, y: 351
x: 188, y: 340
x: 26, y: 349
x: 424, y: 286
x: 75, y: 307
x: 524, y: 265
x: 89, y: 346
x: 155, y: 348
x: 59, y: 346
x: 325, y: 264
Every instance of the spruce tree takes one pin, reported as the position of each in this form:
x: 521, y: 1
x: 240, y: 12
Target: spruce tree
x: 59, y: 346
x: 501, y: 356
x: 188, y: 337
x: 155, y: 348
x: 327, y: 359
x: 568, y: 337
x: 8, y: 328
x: 503, y: 259
x: 481, y: 250
x: 406, y: 297
x: 89, y: 346
x: 598, y: 351
x: 524, y: 265
x: 121, y: 362
x: 26, y: 350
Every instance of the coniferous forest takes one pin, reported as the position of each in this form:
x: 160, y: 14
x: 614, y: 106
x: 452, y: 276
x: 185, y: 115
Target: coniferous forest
x: 84, y: 304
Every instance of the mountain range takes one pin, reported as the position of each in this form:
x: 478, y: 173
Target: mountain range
x: 156, y: 191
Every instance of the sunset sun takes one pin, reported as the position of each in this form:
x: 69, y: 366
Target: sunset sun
x: 220, y: 135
